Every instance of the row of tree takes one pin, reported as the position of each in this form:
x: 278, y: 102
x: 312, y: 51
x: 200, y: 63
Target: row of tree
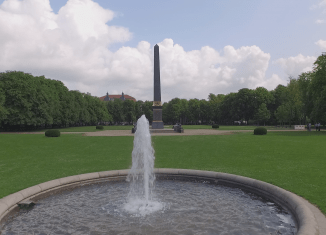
x: 28, y: 102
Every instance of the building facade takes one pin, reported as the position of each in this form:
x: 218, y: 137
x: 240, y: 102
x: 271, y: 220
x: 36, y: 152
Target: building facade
x: 122, y: 97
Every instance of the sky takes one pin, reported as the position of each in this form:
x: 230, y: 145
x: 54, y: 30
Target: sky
x: 210, y: 46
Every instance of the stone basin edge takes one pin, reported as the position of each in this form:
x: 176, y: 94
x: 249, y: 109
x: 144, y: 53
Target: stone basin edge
x: 305, y: 218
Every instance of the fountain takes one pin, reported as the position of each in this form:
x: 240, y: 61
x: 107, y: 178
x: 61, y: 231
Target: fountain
x: 141, y: 175
x: 183, y: 202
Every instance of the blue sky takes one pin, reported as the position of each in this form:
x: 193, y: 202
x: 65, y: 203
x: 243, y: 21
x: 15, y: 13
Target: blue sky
x: 206, y: 46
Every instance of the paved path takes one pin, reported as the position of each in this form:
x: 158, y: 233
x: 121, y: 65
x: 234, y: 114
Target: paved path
x: 186, y: 132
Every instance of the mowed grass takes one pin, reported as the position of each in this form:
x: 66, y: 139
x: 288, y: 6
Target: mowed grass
x: 26, y: 160
x: 87, y: 128
x: 295, y: 161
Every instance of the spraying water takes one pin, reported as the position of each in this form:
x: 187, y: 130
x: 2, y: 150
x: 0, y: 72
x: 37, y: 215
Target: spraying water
x: 141, y: 175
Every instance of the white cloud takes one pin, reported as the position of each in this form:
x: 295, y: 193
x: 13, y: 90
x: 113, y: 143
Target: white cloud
x: 73, y: 46
x: 321, y: 44
x: 322, y: 3
x: 272, y: 82
x: 320, y: 21
x: 294, y: 66
x: 200, y: 72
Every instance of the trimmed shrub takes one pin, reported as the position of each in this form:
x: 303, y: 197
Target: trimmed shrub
x: 260, y: 131
x: 100, y: 127
x: 52, y: 133
x: 215, y: 126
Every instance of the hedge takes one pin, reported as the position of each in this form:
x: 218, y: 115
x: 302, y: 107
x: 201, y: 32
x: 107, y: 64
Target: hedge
x: 260, y: 131
x: 52, y: 133
x: 100, y: 127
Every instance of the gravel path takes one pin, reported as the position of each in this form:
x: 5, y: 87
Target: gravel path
x: 186, y: 132
x: 128, y: 132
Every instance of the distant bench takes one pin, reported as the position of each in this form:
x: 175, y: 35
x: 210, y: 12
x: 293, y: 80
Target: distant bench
x: 299, y: 127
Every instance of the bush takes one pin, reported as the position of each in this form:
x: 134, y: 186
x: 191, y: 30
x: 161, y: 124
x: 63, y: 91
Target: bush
x: 215, y: 126
x: 52, y: 133
x: 100, y: 127
x: 260, y: 131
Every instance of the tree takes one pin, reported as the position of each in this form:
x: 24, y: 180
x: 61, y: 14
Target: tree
x: 129, y: 111
x: 138, y: 109
x: 173, y: 110
x: 294, y: 102
x: 229, y: 109
x: 215, y: 102
x: 320, y: 107
x: 194, y: 110
x: 81, y: 106
x: 245, y: 103
x: 317, y: 88
x: 279, y: 97
x: 282, y: 114
x: 3, y: 110
x: 18, y: 88
x: 28, y: 102
x: 110, y: 109
x: 148, y: 110
x: 205, y: 111
x: 262, y: 114
x: 304, y: 81
x: 117, y: 112
x: 184, y: 111
x: 262, y: 95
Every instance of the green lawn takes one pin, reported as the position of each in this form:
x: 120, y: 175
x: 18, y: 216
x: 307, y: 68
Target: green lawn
x: 295, y: 161
x: 89, y: 128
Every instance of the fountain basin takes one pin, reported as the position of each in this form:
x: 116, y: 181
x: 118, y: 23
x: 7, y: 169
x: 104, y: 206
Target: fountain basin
x: 305, y: 219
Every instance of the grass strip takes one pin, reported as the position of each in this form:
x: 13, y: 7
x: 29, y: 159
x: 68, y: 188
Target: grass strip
x: 189, y: 127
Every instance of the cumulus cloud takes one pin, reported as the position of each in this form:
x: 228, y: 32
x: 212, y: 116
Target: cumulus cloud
x: 321, y: 44
x: 320, y: 4
x: 272, y: 82
x: 294, y: 66
x: 33, y: 35
x: 74, y: 46
x: 204, y: 71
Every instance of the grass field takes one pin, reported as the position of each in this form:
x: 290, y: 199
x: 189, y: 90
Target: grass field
x: 89, y: 128
x: 295, y: 161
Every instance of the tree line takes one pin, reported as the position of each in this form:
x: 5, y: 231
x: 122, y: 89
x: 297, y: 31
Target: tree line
x: 29, y: 102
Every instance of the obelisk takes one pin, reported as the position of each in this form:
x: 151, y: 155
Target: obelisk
x: 157, y: 104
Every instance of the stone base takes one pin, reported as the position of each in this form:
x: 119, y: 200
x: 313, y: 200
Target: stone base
x: 157, y: 125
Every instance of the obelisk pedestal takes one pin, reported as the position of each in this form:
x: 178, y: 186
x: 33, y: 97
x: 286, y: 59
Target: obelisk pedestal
x: 157, y: 104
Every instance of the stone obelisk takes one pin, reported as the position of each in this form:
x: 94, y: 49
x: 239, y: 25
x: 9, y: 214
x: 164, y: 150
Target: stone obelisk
x: 157, y: 104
